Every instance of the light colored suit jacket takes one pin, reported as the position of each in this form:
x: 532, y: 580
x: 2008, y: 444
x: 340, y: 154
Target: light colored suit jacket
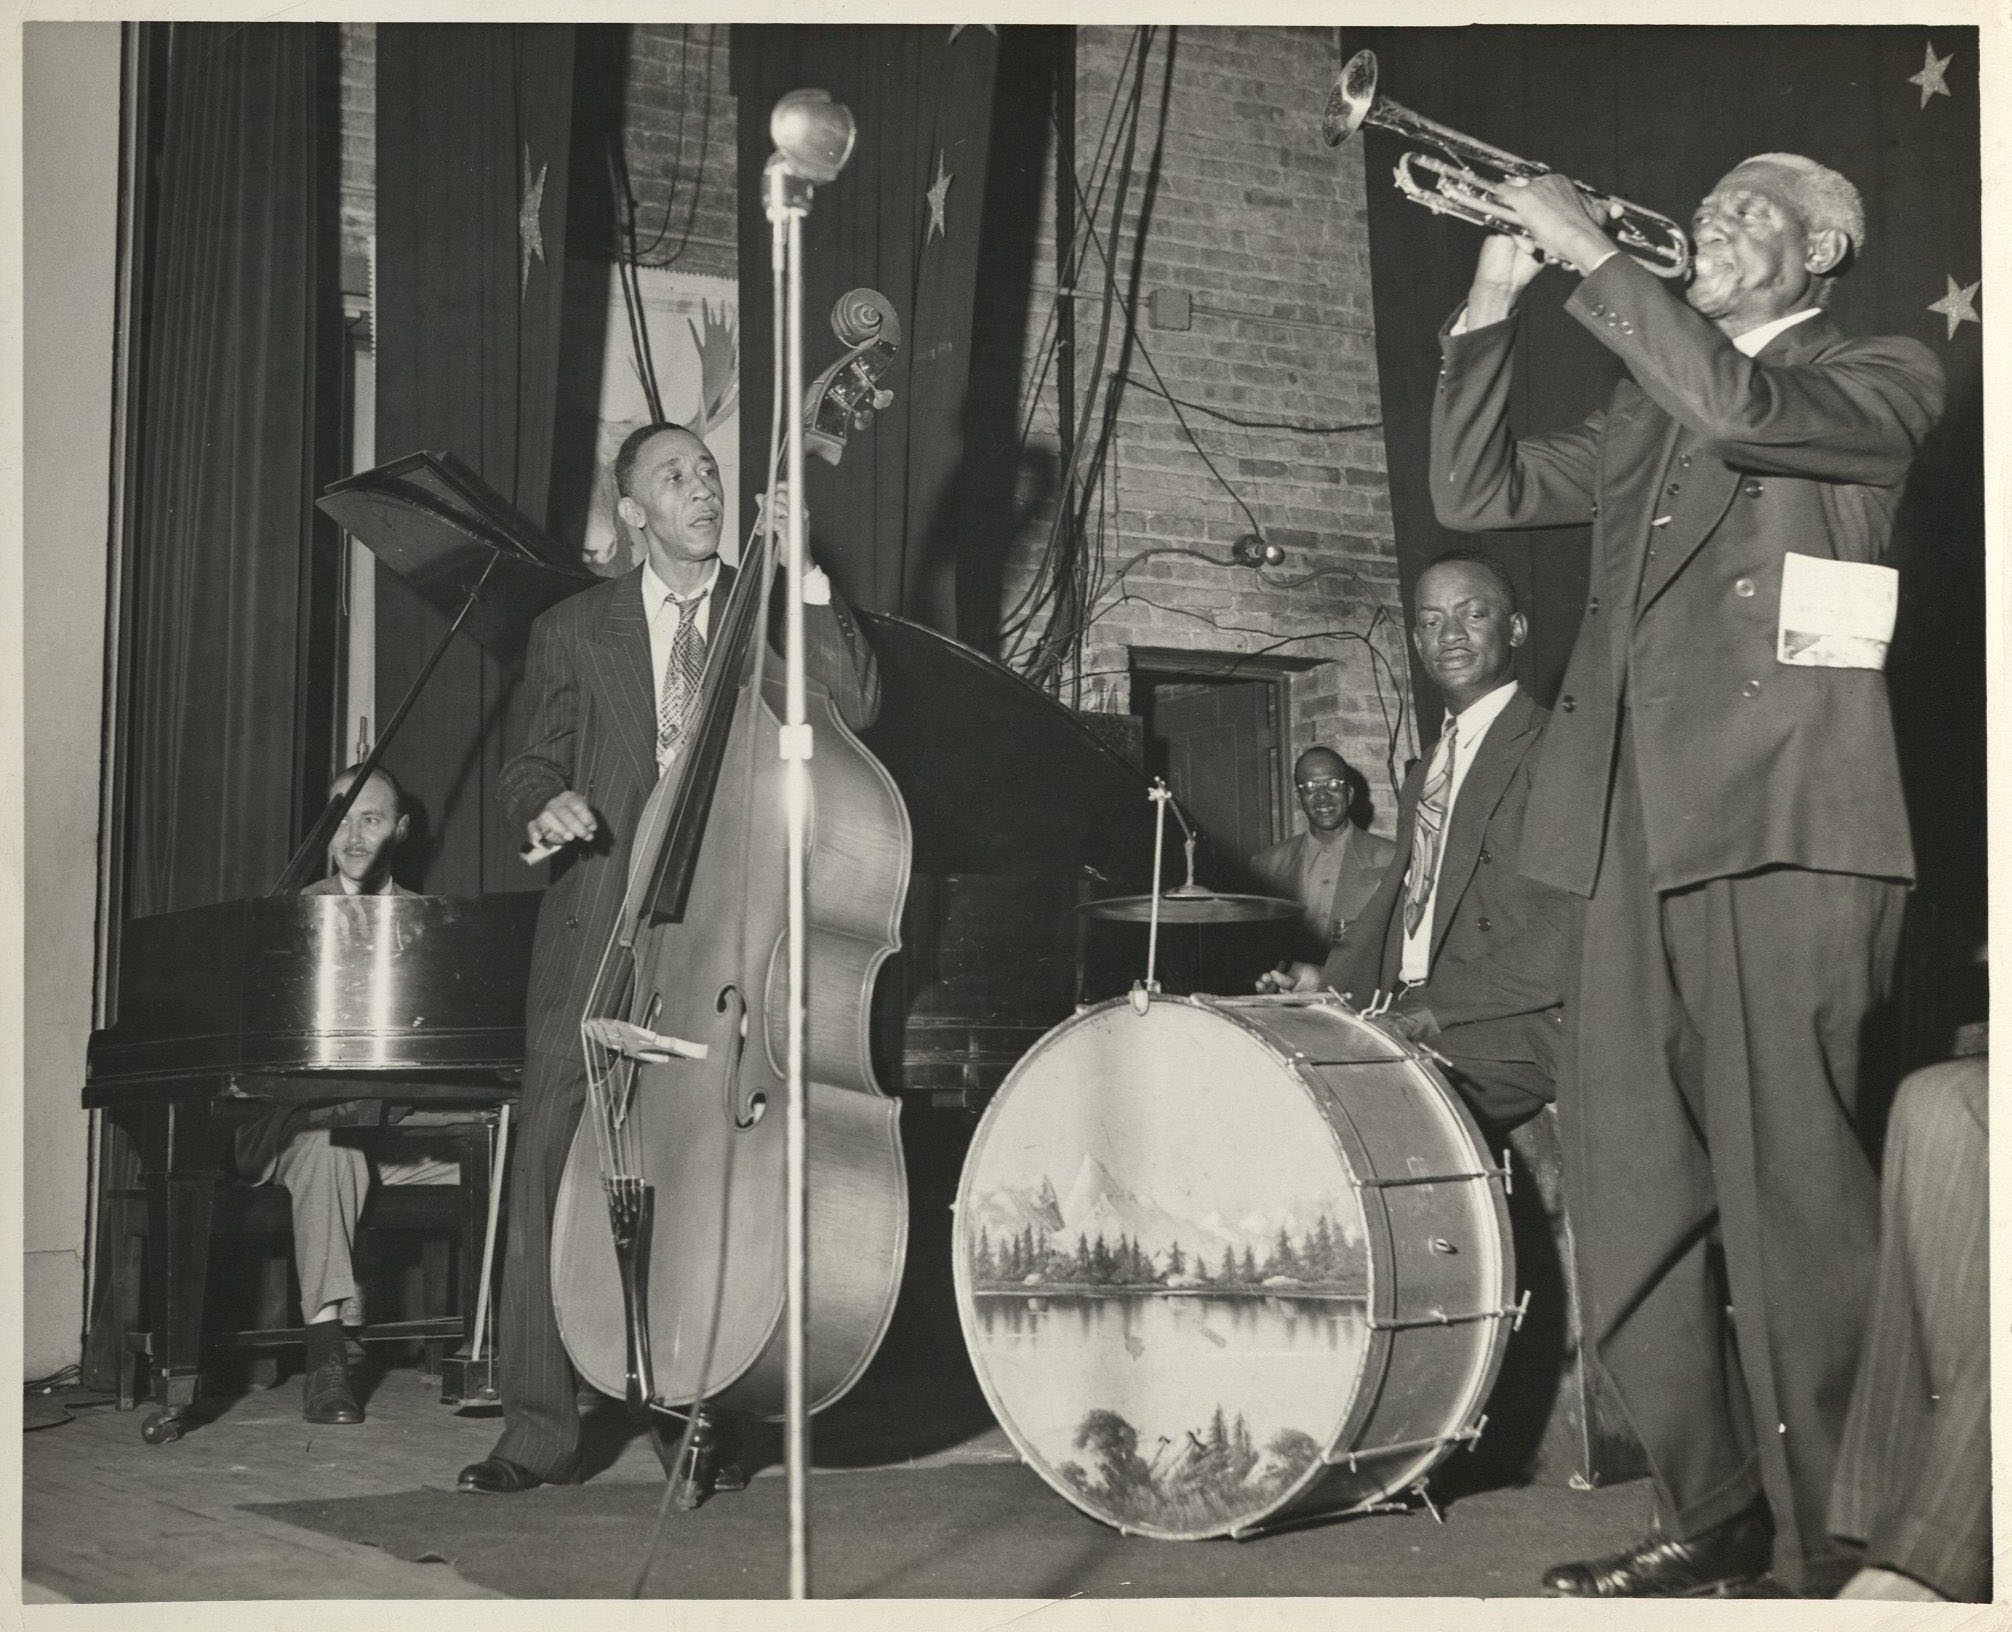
x: 1364, y: 858
x: 1703, y: 471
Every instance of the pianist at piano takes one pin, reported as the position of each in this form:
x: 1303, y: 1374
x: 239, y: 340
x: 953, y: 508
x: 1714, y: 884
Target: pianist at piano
x: 601, y: 707
x: 325, y: 1169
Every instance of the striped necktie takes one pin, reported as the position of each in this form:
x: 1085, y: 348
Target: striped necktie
x: 1429, y: 831
x: 682, y: 675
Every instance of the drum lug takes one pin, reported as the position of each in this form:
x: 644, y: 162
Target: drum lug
x: 1508, y: 1176
x: 1522, y: 1309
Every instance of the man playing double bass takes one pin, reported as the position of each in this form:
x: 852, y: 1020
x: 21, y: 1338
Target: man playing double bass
x: 610, y: 677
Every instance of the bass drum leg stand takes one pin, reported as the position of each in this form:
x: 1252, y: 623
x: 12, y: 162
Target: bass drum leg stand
x: 708, y: 1466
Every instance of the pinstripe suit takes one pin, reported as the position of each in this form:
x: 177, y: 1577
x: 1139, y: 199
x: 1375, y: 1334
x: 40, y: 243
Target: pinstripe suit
x: 1914, y: 1469
x: 587, y: 721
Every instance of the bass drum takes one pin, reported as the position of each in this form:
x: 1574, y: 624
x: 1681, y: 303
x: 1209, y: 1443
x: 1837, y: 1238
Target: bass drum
x: 1230, y: 1262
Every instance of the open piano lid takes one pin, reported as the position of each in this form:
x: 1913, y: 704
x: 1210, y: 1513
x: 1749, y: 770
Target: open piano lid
x: 438, y: 525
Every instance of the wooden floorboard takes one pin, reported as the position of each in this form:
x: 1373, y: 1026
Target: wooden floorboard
x: 107, y: 1518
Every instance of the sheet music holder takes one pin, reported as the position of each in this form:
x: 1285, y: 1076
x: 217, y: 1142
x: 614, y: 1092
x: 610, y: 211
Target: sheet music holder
x: 467, y: 552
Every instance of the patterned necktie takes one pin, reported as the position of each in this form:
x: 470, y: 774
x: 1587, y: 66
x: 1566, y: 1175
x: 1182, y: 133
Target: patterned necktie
x: 682, y: 675
x: 1429, y: 831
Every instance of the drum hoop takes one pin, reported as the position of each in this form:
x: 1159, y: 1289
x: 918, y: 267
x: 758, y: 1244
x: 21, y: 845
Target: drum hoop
x: 1380, y: 1248
x: 1379, y: 1229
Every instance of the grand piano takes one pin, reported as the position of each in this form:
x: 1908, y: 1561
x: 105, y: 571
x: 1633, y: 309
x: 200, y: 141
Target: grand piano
x: 363, y: 1002
x: 1020, y: 814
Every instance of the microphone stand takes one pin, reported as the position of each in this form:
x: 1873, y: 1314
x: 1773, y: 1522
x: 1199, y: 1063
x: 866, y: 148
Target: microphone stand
x: 788, y: 202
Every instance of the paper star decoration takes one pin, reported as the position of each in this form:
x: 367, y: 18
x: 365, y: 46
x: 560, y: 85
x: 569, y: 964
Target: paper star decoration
x: 959, y: 28
x: 1959, y: 305
x: 530, y: 232
x: 1930, y: 78
x: 939, y: 197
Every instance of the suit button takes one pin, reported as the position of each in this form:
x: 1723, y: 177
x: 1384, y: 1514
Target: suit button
x: 1592, y: 606
x: 1487, y: 856
x: 1751, y: 489
x: 1684, y: 459
x: 1674, y: 487
x: 1750, y: 689
x: 1485, y: 923
x: 1596, y: 509
x: 1567, y: 704
x: 572, y: 923
x: 1743, y: 586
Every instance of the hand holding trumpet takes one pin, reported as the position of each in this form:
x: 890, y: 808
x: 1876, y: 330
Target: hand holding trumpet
x: 1544, y: 219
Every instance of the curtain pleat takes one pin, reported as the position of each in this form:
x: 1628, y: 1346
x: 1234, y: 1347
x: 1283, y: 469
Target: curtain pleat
x: 225, y: 548
x: 884, y: 521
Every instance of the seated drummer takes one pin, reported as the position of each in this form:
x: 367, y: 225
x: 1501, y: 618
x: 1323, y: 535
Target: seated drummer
x: 1461, y: 951
x: 298, y: 1146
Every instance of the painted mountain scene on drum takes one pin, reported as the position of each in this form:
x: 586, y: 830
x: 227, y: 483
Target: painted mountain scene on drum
x: 1106, y: 1236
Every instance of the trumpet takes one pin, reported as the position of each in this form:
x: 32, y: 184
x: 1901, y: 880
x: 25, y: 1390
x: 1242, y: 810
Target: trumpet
x: 1460, y: 181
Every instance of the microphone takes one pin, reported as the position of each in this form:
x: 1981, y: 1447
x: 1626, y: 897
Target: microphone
x: 813, y: 135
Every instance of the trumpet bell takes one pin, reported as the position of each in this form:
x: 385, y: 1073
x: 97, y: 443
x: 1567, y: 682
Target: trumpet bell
x: 1348, y: 104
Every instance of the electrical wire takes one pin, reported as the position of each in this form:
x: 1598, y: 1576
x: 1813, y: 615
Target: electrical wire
x: 705, y: 102
x: 1344, y: 428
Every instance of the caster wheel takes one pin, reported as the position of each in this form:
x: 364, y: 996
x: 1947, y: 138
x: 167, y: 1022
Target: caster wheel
x: 160, y: 1430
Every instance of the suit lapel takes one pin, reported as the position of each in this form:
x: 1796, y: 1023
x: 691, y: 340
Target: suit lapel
x: 1708, y: 483
x: 1481, y: 791
x: 620, y: 656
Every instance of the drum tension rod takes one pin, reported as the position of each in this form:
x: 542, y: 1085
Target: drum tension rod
x: 1405, y: 1447
x: 1399, y: 1181
x: 1439, y: 1317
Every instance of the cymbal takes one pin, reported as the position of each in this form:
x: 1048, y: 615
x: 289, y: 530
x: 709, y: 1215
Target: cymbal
x: 1185, y: 906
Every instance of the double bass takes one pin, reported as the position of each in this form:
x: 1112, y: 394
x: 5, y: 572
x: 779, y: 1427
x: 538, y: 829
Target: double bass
x: 668, y: 1262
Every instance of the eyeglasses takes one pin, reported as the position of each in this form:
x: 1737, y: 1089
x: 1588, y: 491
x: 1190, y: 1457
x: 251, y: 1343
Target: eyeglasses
x: 1316, y: 784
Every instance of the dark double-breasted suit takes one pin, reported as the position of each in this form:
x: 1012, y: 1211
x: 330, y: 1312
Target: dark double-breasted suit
x: 1498, y: 938
x: 1735, y: 825
x: 587, y: 720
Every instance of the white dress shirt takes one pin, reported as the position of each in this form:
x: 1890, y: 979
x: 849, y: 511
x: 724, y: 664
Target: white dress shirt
x: 1752, y: 341
x: 657, y: 599
x: 1473, y: 721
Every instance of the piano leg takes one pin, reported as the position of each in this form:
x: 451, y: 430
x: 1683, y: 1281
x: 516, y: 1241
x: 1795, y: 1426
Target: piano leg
x: 179, y: 1160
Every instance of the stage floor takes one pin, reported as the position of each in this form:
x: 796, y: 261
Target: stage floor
x: 109, y: 1519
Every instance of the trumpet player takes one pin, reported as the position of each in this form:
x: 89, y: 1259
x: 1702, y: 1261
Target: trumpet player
x: 1719, y: 783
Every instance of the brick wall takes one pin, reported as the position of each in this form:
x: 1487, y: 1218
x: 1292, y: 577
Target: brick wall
x: 683, y: 167
x: 678, y: 132
x: 1262, y: 227
x: 358, y: 184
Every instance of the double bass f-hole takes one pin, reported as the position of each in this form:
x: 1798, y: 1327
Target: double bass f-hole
x: 743, y: 1113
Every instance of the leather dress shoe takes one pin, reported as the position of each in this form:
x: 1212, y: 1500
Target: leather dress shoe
x: 497, y: 1476
x: 326, y: 1396
x: 1729, y: 1560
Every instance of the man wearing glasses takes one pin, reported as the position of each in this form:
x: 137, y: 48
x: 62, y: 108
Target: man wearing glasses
x: 1331, y: 869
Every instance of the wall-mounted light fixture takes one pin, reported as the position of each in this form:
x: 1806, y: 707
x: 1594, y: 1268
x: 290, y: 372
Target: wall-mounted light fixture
x: 1254, y: 550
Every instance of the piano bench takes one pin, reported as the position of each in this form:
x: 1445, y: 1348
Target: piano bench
x: 253, y: 1224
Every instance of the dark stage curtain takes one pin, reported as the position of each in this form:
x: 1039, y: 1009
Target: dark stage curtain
x: 884, y: 523
x: 228, y: 586
x: 473, y: 139
x: 225, y: 709
x: 1657, y: 115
